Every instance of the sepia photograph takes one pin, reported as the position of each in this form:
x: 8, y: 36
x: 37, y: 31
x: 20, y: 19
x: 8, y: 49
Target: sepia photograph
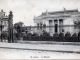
x: 39, y: 29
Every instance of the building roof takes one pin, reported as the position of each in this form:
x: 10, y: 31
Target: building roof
x: 59, y: 13
x: 64, y: 11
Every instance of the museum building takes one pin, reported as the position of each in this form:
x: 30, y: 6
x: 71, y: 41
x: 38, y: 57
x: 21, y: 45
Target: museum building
x: 57, y: 21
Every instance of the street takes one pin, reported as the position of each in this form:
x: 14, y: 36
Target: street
x: 38, y: 51
x: 28, y: 54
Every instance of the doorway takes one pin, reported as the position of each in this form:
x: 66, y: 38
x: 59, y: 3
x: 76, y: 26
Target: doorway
x: 56, y: 28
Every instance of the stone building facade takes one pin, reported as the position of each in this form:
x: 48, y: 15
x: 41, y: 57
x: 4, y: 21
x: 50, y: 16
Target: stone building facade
x: 3, y: 21
x: 58, y: 21
x: 28, y: 29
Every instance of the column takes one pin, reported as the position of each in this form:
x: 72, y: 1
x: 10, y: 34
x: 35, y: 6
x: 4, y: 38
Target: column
x: 47, y: 25
x: 53, y: 27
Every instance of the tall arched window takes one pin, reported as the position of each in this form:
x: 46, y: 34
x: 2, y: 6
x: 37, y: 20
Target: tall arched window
x: 44, y: 25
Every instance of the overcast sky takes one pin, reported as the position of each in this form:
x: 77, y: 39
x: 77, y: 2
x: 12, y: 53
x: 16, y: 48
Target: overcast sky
x: 25, y: 10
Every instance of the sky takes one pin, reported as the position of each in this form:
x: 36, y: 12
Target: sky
x: 25, y: 10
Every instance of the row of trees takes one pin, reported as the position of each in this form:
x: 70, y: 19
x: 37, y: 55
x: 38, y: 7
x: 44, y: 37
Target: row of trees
x: 56, y: 37
x: 45, y: 34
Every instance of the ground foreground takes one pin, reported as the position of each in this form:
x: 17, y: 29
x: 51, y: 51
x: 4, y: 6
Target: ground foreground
x: 39, y: 51
x: 28, y: 54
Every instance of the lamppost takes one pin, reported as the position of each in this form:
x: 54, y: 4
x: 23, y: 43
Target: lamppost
x: 1, y: 31
x: 10, y: 27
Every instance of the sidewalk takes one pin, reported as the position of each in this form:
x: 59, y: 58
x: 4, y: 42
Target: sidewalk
x: 49, y: 42
x: 42, y: 47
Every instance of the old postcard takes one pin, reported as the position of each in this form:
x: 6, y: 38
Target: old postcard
x: 39, y: 29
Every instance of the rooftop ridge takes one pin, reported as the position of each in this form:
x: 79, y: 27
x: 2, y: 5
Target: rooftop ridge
x: 73, y: 10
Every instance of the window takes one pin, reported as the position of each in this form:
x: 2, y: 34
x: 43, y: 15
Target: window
x: 5, y: 22
x: 1, y: 22
x: 40, y: 25
x: 56, y: 28
x: 75, y: 24
x: 50, y: 20
x: 44, y: 25
x: 60, y: 21
x: 55, y: 21
x: 37, y: 25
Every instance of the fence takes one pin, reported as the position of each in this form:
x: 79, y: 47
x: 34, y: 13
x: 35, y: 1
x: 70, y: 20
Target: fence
x: 46, y: 36
x: 63, y: 37
x: 50, y: 38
